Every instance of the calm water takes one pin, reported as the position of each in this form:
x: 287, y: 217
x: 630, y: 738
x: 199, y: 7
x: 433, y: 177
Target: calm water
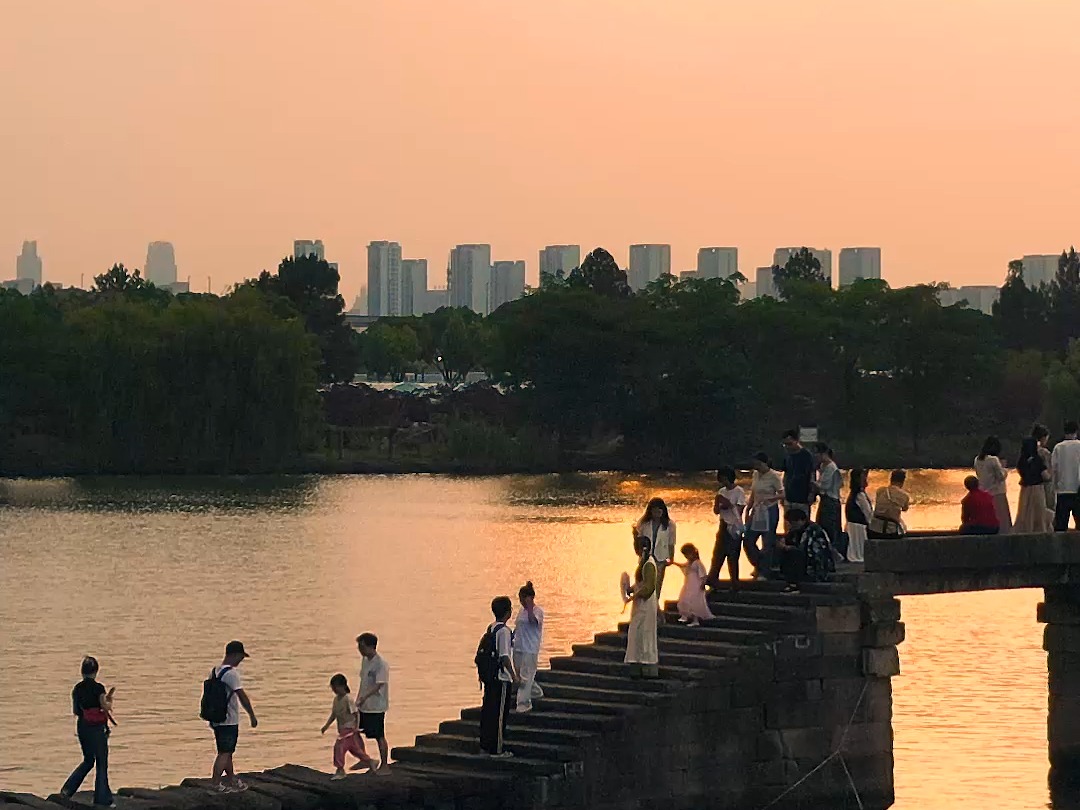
x: 154, y: 576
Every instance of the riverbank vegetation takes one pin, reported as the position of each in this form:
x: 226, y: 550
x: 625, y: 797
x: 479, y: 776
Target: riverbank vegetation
x: 581, y: 373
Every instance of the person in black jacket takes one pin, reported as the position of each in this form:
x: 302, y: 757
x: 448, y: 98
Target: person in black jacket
x: 92, y: 705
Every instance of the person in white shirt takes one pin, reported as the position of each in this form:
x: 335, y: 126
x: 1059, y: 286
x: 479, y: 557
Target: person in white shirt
x: 763, y: 509
x: 373, y: 697
x: 496, y: 703
x: 728, y: 506
x: 827, y: 487
x: 227, y: 732
x: 528, y: 637
x: 656, y: 524
x: 1065, y: 468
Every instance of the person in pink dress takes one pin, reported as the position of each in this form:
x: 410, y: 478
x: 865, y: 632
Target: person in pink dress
x: 693, y: 606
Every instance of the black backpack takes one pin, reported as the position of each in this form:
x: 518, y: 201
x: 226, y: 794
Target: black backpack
x: 216, y: 694
x: 487, y: 655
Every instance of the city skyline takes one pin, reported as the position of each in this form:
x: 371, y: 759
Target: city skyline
x: 953, y: 162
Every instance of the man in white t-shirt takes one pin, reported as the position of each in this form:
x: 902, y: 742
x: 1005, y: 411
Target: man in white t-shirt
x: 227, y: 733
x: 1065, y: 468
x: 497, y: 692
x: 373, y: 696
x: 728, y: 506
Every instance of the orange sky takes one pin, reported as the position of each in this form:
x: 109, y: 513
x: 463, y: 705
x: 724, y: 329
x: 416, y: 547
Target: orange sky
x: 945, y: 131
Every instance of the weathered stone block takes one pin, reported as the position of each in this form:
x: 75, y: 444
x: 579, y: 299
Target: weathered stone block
x: 883, y: 634
x: 785, y: 714
x: 838, y: 619
x: 769, y: 746
x: 840, y: 643
x: 805, y: 743
x: 1061, y: 638
x: 883, y: 662
x: 833, y: 666
x: 797, y: 646
x: 748, y: 694
x: 1063, y: 680
x: 768, y: 773
x: 1058, y: 612
x: 1062, y: 594
x: 863, y: 739
x: 880, y: 610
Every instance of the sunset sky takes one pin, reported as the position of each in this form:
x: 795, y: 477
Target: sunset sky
x: 945, y: 131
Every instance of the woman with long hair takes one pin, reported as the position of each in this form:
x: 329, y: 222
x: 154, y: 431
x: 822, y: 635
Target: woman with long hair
x: 656, y: 525
x: 1032, y: 516
x: 642, y: 650
x: 992, y: 475
x: 858, y: 512
x: 1041, y: 435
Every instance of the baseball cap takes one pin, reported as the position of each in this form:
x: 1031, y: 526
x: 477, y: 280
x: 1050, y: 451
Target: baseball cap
x: 236, y: 648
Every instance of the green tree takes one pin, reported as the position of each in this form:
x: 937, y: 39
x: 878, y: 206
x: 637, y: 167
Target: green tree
x: 802, y: 267
x: 1023, y: 313
x: 389, y: 349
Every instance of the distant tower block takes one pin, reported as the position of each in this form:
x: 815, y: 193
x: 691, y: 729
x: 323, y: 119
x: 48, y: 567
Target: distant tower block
x: 161, y: 264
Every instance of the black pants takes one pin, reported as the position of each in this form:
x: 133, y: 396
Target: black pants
x: 793, y: 564
x: 94, y: 741
x: 979, y: 530
x: 728, y: 547
x: 493, y: 713
x: 1066, y: 504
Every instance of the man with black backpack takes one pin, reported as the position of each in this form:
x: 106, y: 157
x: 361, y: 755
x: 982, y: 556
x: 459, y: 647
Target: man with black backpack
x: 495, y: 667
x: 221, y: 701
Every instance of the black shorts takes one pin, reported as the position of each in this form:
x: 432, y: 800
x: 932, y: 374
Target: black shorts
x: 226, y: 737
x: 373, y: 724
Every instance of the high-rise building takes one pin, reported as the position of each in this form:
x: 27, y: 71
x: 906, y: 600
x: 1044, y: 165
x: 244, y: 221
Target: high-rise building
x: 976, y: 296
x: 781, y: 256
x: 859, y: 262
x: 717, y: 262
x: 160, y: 264
x: 28, y: 264
x: 433, y: 300
x: 468, y: 278
x: 507, y: 282
x: 413, y: 285
x: 384, y: 279
x: 1040, y: 268
x: 302, y: 248
x: 559, y: 258
x: 359, y: 306
x: 647, y: 264
x: 764, y: 283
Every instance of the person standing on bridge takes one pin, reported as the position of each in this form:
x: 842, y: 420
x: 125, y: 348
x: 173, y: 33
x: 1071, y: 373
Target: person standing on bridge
x: 992, y: 475
x: 659, y: 528
x: 373, y: 698
x: 1065, y: 467
x: 642, y: 648
x: 763, y: 515
x: 1041, y: 434
x: 528, y: 637
x: 798, y: 473
x: 858, y: 512
x: 827, y: 486
x: 1032, y: 516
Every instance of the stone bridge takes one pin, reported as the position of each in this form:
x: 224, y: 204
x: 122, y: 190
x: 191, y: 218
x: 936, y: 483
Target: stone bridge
x: 781, y: 701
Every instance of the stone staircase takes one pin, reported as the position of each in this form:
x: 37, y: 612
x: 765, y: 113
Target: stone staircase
x: 590, y: 697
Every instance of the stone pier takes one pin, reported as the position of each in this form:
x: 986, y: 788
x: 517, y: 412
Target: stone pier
x: 782, y: 700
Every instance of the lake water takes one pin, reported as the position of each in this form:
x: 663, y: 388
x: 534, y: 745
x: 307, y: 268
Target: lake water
x: 153, y: 576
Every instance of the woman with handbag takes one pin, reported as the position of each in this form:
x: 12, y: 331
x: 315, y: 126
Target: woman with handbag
x: 92, y: 706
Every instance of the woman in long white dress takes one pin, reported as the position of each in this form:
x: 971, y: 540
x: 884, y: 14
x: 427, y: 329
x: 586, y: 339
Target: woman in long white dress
x: 858, y: 512
x: 992, y: 477
x: 641, y: 647
x: 659, y: 528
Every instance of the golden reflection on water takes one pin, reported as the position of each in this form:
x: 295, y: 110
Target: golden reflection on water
x: 153, y: 576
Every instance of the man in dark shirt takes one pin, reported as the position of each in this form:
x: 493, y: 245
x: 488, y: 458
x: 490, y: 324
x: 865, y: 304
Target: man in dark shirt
x: 798, y: 470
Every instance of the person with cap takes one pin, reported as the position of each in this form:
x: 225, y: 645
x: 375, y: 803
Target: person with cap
x: 227, y: 733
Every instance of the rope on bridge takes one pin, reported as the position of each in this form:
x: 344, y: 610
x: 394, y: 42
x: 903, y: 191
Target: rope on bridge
x: 837, y: 754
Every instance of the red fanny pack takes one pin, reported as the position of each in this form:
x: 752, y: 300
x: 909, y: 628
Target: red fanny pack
x: 95, y: 717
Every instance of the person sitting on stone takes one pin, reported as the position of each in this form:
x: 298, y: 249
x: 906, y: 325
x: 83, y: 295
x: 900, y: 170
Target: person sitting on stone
x: 806, y: 554
x: 977, y: 513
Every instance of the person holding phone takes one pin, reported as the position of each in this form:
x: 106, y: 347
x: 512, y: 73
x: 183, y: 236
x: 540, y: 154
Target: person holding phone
x: 92, y: 705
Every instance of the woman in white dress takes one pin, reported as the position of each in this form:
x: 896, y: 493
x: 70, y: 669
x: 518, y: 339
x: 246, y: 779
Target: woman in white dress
x: 658, y: 527
x: 641, y: 647
x: 992, y: 477
x: 858, y: 512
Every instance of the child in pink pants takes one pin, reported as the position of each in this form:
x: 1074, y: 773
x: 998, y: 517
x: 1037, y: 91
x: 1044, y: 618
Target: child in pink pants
x: 348, y: 740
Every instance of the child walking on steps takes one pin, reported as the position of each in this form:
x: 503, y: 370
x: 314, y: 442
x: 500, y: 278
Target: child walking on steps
x: 693, y: 606
x: 348, y: 728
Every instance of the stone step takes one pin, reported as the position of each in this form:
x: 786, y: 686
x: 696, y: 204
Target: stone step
x: 797, y: 599
x: 597, y: 721
x: 592, y: 694
x: 726, y: 622
x: 470, y: 744
x: 681, y: 646
x: 616, y: 668
x: 707, y: 632
x: 615, y: 653
x: 176, y: 796
x: 587, y: 706
x: 455, y: 779
x: 613, y: 683
x: 561, y: 737
x: 752, y: 610
x: 422, y: 755
x: 27, y: 800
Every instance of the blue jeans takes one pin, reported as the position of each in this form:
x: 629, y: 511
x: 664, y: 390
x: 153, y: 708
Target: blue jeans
x: 94, y: 741
x: 765, y: 561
